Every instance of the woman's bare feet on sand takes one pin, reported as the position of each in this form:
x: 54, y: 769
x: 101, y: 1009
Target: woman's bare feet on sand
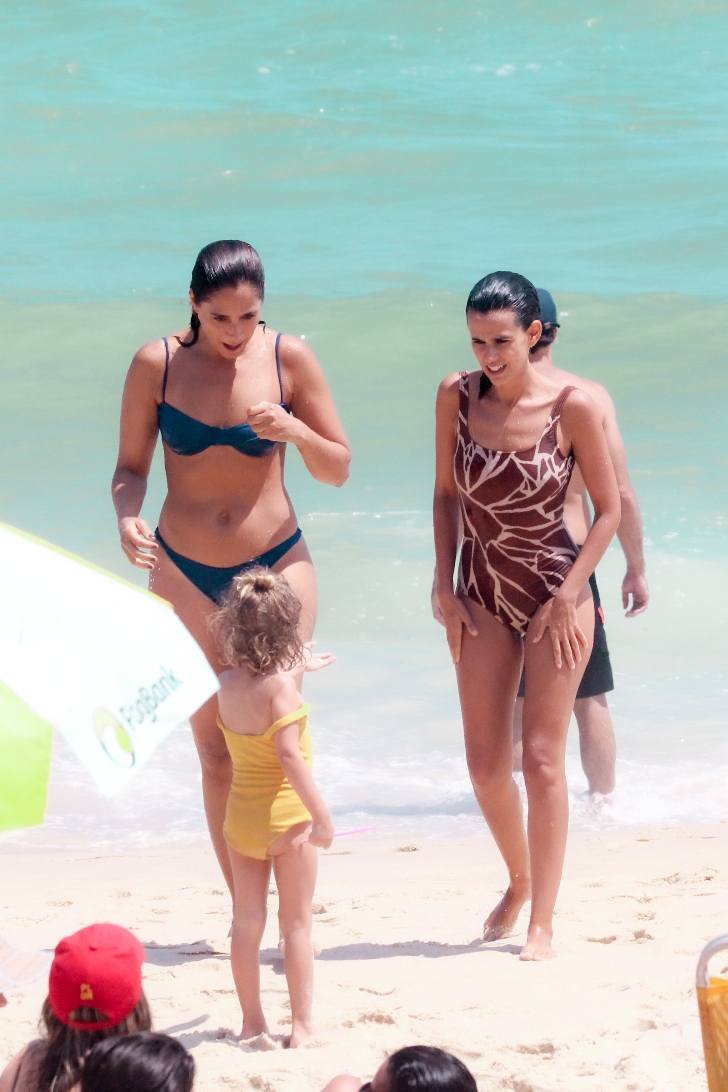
x: 301, y: 1034
x: 538, y: 945
x: 502, y: 921
x: 253, y: 1028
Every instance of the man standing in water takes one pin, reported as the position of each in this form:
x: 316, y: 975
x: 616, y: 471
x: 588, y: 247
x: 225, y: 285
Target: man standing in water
x: 596, y: 733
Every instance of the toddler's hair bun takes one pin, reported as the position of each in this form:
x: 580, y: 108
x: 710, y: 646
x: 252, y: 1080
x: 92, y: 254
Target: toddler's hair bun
x: 263, y: 582
x: 258, y: 625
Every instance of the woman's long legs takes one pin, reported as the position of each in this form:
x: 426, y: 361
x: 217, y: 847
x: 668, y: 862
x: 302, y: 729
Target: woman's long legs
x: 488, y: 676
x: 550, y: 693
x: 251, y: 878
x: 194, y: 609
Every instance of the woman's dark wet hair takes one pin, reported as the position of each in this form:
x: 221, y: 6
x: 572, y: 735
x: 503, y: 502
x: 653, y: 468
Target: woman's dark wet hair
x: 148, y: 1062
x: 224, y: 264
x: 427, y: 1069
x: 504, y: 291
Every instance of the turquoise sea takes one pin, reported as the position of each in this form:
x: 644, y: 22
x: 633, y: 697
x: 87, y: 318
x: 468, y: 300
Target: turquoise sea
x: 382, y: 157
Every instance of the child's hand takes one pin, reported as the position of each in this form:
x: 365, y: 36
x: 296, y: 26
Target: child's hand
x: 314, y: 661
x: 322, y: 832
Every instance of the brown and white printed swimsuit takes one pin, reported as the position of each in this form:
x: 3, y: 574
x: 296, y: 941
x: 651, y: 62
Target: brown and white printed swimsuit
x: 516, y: 551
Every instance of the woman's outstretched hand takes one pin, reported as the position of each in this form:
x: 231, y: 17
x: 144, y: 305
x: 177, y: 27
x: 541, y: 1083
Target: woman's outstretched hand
x: 138, y: 542
x: 314, y: 661
x: 269, y: 421
x: 560, y: 618
x: 455, y: 616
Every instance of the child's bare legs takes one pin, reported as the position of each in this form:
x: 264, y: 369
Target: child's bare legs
x: 251, y: 878
x: 295, y: 871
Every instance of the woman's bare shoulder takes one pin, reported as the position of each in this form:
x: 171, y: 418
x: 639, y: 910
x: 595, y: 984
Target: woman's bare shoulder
x: 579, y: 402
x: 451, y: 383
x: 151, y: 357
x: 296, y: 355
x: 448, y: 397
x: 146, y: 371
x: 580, y: 411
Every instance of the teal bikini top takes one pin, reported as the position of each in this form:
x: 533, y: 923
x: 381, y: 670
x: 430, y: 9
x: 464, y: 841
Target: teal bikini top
x: 187, y: 436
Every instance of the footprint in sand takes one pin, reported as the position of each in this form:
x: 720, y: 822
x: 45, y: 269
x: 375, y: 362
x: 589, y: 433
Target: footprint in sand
x: 259, y: 1042
x: 372, y: 1018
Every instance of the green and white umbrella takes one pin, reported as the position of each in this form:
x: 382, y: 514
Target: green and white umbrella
x: 107, y: 664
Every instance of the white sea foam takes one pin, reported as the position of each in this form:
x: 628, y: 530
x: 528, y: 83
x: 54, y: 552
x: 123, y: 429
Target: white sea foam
x: 425, y: 795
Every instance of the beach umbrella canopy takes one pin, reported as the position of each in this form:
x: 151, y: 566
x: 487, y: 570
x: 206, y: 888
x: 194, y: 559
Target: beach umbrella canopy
x: 18, y: 966
x: 104, y: 662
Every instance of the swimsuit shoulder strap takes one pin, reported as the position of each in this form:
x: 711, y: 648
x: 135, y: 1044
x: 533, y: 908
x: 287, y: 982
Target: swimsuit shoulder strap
x: 557, y: 408
x: 278, y: 365
x: 549, y: 432
x: 299, y: 714
x: 464, y: 391
x: 166, y: 369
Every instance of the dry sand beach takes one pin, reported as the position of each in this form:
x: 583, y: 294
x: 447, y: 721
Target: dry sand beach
x: 616, y: 1011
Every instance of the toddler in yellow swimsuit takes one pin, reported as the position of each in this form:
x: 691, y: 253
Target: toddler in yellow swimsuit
x: 275, y: 814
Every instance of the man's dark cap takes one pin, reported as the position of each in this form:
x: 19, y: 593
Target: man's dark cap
x: 548, y: 308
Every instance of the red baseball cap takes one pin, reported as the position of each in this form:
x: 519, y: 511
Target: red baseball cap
x: 99, y: 967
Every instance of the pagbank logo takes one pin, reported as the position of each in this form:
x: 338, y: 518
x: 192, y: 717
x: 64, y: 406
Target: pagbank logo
x: 117, y: 739
x: 114, y: 739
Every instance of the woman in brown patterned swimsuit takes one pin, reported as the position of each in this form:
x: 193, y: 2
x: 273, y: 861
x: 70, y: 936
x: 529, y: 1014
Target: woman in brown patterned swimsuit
x: 507, y: 440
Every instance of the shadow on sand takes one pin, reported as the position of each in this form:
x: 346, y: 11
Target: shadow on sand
x: 430, y: 949
x: 174, y: 955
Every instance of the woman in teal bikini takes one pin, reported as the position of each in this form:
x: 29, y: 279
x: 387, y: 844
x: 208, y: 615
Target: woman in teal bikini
x: 227, y: 394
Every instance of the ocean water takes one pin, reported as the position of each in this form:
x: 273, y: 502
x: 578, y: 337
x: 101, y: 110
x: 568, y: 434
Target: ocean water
x: 381, y: 158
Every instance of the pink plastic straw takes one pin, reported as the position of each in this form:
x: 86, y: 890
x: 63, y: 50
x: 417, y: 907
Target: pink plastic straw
x: 344, y: 833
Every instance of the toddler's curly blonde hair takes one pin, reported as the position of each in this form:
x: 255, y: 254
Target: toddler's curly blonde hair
x: 257, y: 627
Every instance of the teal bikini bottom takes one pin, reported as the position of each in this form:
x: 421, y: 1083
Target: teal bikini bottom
x: 214, y: 582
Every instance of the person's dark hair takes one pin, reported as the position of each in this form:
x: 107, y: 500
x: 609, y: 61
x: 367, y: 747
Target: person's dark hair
x: 149, y: 1062
x: 224, y: 264
x: 548, y: 336
x: 427, y: 1069
x: 504, y: 291
x: 58, y: 1058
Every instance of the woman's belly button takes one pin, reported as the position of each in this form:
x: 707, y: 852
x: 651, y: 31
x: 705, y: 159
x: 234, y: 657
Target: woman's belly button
x: 223, y: 517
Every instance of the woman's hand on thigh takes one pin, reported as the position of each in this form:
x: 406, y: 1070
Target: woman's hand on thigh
x: 559, y: 616
x: 456, y: 616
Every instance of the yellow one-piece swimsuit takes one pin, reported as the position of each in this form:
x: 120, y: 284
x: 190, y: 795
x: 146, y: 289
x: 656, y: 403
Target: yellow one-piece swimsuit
x: 262, y: 803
